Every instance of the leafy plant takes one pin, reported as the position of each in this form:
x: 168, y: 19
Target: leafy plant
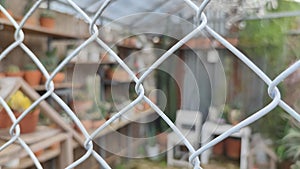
x: 292, y: 139
x: 47, y: 14
x: 27, y: 7
x: 30, y: 66
x: 51, y: 60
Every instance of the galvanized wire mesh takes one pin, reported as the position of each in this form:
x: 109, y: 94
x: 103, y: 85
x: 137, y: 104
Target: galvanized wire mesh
x: 201, y: 19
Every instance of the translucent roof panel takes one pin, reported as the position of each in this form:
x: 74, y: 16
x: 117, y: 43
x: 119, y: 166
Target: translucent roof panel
x: 120, y: 8
x: 132, y: 14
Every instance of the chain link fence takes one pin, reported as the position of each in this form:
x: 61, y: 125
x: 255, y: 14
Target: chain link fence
x: 201, y: 25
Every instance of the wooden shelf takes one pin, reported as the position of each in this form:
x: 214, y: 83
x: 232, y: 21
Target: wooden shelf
x: 45, y: 156
x: 37, y: 30
x: 124, y: 121
x: 93, y: 63
x: 43, y: 138
x: 114, y: 82
x: 57, y: 86
x: 128, y: 47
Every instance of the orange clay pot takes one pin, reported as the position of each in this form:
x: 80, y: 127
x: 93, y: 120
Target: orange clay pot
x: 27, y: 125
x: 33, y: 77
x: 58, y: 78
x: 47, y: 22
x: 233, y: 148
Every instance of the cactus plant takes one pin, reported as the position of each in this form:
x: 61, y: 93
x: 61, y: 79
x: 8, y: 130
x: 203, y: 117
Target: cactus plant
x: 19, y: 102
x: 13, y: 69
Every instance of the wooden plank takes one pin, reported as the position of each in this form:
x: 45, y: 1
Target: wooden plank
x: 66, y: 155
x: 41, y: 31
x: 58, y: 86
x: 136, y: 117
x: 8, y: 153
x: 27, y: 162
x: 19, y: 152
x: 41, y: 133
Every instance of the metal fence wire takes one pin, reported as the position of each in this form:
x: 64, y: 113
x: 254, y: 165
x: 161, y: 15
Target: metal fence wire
x: 201, y: 19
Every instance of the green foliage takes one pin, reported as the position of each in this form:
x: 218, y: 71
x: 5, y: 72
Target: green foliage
x: 268, y: 32
x: 120, y: 166
x: 3, y: 3
x: 51, y: 60
x: 267, y: 37
x: 291, y: 140
x: 30, y: 66
x: 47, y: 14
x: 27, y: 7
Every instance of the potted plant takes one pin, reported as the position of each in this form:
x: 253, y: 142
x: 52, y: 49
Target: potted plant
x: 47, y: 19
x: 218, y: 149
x: 290, y: 143
x: 233, y: 147
x: 50, y: 62
x: 18, y: 102
x: 14, y: 71
x: 32, y: 74
x: 152, y: 147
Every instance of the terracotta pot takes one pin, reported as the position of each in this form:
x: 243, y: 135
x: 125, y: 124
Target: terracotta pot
x: 285, y: 164
x: 33, y: 77
x: 233, y: 147
x: 15, y: 74
x: 47, y: 22
x: 2, y: 75
x: 59, y: 78
x: 98, y: 123
x: 38, y: 152
x: 218, y: 149
x: 27, y: 125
